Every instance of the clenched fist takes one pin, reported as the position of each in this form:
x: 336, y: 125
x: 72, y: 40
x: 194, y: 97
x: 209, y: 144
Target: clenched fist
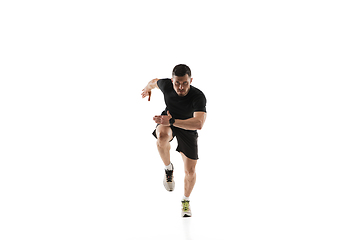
x: 163, y: 119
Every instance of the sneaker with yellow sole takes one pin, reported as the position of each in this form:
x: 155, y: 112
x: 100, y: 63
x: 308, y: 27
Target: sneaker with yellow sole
x: 185, y: 211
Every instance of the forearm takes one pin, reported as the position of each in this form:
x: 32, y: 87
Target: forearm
x: 189, y: 124
x: 152, y: 84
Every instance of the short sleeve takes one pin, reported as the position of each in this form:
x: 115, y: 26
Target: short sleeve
x: 199, y: 104
x: 163, y: 84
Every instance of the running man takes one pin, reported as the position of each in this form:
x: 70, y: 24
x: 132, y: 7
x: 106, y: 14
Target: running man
x: 185, y: 113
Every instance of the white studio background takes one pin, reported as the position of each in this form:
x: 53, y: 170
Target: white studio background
x: 279, y: 153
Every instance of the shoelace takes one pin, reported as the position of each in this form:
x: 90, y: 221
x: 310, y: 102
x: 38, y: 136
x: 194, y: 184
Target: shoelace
x: 169, y: 175
x: 185, y: 204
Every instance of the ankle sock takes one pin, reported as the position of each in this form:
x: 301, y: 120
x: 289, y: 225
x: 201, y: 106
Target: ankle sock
x: 169, y: 167
x: 186, y: 198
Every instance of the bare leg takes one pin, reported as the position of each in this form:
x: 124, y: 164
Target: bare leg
x: 164, y: 135
x: 190, y: 175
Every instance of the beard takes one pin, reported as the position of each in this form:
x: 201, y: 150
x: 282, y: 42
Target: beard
x: 182, y: 93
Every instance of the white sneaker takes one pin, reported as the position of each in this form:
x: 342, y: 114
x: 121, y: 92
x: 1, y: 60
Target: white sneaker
x: 185, y: 211
x: 169, y: 182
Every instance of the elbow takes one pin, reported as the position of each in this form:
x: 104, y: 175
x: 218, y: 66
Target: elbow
x: 199, y: 125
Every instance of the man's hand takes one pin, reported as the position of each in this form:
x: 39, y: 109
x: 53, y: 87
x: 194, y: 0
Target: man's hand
x: 163, y: 119
x: 146, y: 92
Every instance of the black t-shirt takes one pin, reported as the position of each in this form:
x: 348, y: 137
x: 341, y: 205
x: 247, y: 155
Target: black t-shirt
x: 181, y: 107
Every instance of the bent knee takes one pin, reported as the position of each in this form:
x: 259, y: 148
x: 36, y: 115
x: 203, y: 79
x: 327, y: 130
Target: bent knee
x: 163, y: 137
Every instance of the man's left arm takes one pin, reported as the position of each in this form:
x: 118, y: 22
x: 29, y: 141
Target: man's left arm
x: 194, y: 123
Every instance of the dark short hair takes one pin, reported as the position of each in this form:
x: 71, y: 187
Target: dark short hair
x: 181, y: 70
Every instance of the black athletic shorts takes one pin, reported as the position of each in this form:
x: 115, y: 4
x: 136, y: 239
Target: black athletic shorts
x: 187, y: 141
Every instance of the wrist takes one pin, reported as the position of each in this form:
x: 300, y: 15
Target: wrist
x: 149, y: 87
x: 171, y: 121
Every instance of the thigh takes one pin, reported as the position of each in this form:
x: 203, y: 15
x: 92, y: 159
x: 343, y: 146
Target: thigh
x: 187, y: 143
x: 189, y: 164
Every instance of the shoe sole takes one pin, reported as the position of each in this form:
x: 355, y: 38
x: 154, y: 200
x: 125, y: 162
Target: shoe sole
x: 167, y: 188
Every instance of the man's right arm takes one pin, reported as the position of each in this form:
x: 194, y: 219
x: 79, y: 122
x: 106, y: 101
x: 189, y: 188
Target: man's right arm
x: 150, y: 86
x: 153, y: 83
